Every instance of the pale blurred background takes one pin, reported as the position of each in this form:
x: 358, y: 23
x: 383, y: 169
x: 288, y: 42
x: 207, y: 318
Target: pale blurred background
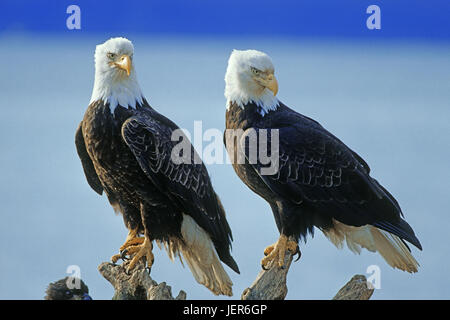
x: 385, y: 93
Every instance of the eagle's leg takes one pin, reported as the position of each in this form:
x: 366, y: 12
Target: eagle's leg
x: 140, y: 251
x: 132, y: 239
x: 143, y: 250
x: 277, y: 251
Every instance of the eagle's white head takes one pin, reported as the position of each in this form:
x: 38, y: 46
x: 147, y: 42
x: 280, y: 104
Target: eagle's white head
x: 250, y: 77
x: 115, y: 76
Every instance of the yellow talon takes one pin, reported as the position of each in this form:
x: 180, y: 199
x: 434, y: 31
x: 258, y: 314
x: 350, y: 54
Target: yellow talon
x: 269, y: 249
x: 132, y: 239
x: 132, y: 242
x: 143, y: 250
x: 115, y: 258
x: 277, y: 251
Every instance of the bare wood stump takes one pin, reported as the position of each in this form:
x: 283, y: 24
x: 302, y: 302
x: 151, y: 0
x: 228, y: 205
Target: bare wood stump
x: 138, y: 285
x: 356, y: 289
x: 270, y: 284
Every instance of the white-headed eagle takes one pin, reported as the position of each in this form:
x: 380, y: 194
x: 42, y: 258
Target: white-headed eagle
x: 125, y: 147
x: 319, y: 181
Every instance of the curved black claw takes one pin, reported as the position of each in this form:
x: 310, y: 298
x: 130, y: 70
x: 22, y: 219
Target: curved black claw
x: 297, y: 251
x: 123, y: 255
x: 264, y: 268
x: 148, y: 266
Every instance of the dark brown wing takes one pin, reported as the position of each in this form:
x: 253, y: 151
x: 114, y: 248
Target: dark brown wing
x: 316, y: 167
x: 187, y: 183
x: 86, y: 161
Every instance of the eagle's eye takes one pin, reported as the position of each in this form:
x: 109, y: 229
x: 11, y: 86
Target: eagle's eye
x: 255, y: 71
x: 111, y: 55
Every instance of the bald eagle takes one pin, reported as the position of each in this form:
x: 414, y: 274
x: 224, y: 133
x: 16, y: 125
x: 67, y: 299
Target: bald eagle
x: 319, y: 181
x: 125, y: 148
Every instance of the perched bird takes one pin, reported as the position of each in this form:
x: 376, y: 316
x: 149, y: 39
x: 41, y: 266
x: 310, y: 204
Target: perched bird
x: 59, y: 290
x: 318, y: 181
x: 125, y: 147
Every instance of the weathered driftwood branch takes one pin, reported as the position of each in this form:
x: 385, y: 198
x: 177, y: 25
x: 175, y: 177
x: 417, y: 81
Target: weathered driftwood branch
x: 269, y: 284
x: 356, y: 289
x: 138, y: 285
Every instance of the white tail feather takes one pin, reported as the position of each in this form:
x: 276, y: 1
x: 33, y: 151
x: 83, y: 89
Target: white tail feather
x: 200, y: 256
x: 390, y: 247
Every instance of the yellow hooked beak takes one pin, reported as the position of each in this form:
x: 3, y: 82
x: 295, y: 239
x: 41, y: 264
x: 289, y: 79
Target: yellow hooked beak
x: 272, y: 84
x: 269, y: 81
x: 124, y: 63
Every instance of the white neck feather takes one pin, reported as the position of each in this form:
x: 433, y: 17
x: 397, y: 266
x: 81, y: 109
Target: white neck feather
x: 266, y: 101
x: 116, y: 89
